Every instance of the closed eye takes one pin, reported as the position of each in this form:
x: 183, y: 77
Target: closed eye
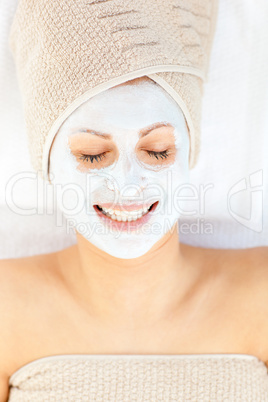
x: 162, y: 155
x: 99, y: 157
x: 93, y: 158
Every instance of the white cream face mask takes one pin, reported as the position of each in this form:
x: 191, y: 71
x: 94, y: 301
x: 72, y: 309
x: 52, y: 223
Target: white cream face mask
x: 107, y: 196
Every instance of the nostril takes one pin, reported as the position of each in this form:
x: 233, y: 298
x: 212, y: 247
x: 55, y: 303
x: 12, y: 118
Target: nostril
x: 110, y: 183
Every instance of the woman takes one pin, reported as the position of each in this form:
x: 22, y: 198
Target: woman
x: 142, y: 315
x: 172, y: 299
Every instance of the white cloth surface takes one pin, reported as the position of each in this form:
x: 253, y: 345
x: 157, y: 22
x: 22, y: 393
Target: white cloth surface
x: 233, y: 163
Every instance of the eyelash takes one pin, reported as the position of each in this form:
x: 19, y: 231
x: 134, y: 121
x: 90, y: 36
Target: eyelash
x: 162, y: 155
x: 93, y: 157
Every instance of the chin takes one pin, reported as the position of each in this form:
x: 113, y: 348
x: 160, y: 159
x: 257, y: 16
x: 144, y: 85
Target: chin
x: 127, y: 255
x: 125, y: 248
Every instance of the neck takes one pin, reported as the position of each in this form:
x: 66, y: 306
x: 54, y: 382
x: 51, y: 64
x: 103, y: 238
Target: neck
x: 149, y: 287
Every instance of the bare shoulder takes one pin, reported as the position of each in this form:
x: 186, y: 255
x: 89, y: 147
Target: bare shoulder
x: 10, y: 293
x: 241, y: 281
x: 18, y: 275
x: 256, y: 294
x: 252, y: 264
x: 256, y: 267
x: 247, y: 264
x: 246, y: 279
x: 26, y: 282
x: 21, y: 281
x: 252, y: 272
x: 245, y: 268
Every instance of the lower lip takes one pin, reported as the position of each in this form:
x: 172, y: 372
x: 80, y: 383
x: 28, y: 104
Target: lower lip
x: 132, y: 225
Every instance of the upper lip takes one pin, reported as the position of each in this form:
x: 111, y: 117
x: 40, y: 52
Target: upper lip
x: 126, y: 207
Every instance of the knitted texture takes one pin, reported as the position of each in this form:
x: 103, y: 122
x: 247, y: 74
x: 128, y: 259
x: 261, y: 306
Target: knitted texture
x: 68, y: 51
x: 141, y: 378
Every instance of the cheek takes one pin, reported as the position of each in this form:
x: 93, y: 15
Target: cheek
x: 62, y: 168
x: 172, y: 178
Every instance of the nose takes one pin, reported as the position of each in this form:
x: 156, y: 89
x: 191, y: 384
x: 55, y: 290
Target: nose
x: 128, y: 177
x: 128, y: 167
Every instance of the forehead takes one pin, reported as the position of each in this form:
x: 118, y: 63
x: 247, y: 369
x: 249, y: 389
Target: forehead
x: 132, y: 106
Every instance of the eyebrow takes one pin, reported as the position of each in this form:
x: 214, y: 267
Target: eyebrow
x: 94, y: 132
x: 142, y: 133
x: 147, y: 130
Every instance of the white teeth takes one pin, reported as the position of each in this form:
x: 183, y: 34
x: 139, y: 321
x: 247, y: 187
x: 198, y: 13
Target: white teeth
x: 125, y: 215
x: 106, y: 209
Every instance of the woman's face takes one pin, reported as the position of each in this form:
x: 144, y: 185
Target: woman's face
x: 117, y: 162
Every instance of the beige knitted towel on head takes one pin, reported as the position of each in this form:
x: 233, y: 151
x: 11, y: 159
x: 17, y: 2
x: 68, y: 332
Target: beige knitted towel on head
x: 67, y: 51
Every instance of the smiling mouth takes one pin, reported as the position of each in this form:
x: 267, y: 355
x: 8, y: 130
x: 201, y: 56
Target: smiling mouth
x: 125, y: 215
